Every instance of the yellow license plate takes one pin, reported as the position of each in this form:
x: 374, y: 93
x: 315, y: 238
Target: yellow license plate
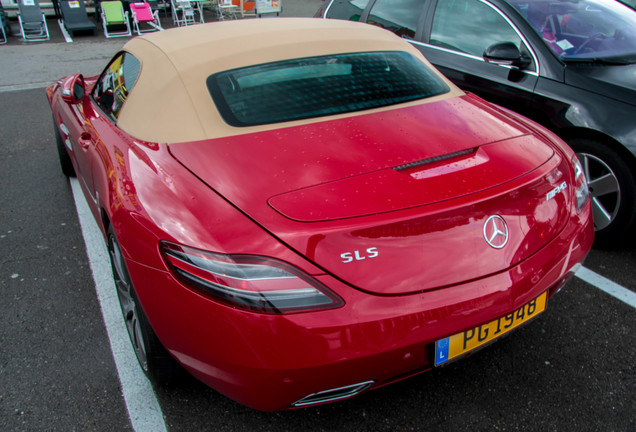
x: 458, y: 344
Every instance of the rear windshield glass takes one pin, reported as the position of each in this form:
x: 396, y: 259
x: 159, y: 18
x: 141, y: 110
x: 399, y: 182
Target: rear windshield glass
x: 319, y: 86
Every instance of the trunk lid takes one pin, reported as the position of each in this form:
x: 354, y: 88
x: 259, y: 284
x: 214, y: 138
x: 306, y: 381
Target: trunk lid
x: 394, y: 202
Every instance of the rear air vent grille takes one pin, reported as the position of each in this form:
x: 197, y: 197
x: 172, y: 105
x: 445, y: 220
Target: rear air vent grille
x: 333, y: 394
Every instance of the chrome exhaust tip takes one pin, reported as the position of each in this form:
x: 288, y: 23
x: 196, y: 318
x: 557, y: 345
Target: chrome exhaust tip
x: 332, y: 395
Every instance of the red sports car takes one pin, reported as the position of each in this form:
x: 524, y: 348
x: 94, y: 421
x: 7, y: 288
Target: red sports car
x: 300, y: 210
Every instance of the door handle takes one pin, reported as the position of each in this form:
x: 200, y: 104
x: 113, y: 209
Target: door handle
x: 85, y: 140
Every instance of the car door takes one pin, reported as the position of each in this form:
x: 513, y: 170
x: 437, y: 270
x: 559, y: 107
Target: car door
x: 99, y: 132
x: 72, y: 124
x: 454, y: 38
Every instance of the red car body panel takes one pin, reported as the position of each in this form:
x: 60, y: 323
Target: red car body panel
x: 349, y: 202
x: 281, y: 359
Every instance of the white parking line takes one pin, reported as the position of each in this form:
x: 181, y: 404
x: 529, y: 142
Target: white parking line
x: 143, y: 408
x: 606, y: 285
x: 20, y: 87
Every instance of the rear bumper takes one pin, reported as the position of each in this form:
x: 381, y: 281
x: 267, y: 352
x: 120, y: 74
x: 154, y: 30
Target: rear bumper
x: 268, y: 362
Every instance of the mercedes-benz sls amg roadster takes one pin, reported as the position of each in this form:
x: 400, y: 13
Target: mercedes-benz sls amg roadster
x: 300, y: 210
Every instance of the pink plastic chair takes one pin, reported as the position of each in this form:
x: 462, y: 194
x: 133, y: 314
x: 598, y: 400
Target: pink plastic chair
x: 143, y: 15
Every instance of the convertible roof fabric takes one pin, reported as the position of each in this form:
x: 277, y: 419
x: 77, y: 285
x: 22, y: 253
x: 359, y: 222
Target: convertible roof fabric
x: 170, y: 101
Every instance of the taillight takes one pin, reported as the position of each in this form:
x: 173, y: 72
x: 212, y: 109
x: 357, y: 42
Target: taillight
x: 580, y: 185
x: 249, y: 282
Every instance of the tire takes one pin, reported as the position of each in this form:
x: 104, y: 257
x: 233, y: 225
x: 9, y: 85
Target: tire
x: 158, y: 365
x: 613, y: 189
x: 65, y: 160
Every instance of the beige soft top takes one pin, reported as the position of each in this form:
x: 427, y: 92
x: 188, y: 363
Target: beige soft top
x: 170, y: 101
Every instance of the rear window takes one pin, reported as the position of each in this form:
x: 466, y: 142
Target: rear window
x: 320, y: 86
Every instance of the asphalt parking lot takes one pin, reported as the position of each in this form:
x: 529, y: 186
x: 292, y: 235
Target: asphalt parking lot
x: 61, y: 368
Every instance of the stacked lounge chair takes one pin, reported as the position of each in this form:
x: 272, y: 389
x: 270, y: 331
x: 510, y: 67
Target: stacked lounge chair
x: 75, y: 18
x: 32, y: 22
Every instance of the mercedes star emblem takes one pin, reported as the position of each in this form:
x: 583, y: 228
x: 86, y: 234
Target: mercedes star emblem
x: 496, y: 231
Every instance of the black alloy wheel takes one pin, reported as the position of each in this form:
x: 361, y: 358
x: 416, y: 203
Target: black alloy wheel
x: 158, y: 365
x: 612, y: 188
x: 65, y: 160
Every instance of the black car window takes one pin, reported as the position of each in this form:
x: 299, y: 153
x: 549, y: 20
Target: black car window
x: 320, y: 86
x: 114, y: 84
x: 347, y: 9
x: 470, y: 26
x: 399, y: 16
x: 585, y: 29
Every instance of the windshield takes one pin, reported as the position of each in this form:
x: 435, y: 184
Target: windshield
x: 320, y: 86
x: 584, y: 29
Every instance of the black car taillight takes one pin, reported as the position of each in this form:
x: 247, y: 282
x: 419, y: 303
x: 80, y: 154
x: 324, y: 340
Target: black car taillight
x: 250, y: 282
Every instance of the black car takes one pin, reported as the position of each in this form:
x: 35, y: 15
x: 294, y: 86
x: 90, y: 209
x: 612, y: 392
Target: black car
x: 568, y: 64
x: 630, y: 3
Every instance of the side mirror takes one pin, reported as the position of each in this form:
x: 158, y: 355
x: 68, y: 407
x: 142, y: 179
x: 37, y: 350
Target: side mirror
x: 506, y: 54
x: 73, y: 89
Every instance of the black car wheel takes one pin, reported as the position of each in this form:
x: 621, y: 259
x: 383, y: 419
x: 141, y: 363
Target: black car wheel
x: 154, y: 359
x: 613, y: 190
x: 65, y: 160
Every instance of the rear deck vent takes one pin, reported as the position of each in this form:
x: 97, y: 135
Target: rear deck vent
x: 434, y: 159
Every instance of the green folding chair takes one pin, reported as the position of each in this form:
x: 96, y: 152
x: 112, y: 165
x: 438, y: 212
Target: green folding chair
x: 114, y: 19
